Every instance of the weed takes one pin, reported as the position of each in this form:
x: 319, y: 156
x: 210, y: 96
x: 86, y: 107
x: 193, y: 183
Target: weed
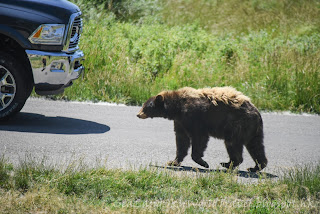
x: 133, y: 66
x: 74, y: 188
x: 269, y: 50
x: 304, y: 180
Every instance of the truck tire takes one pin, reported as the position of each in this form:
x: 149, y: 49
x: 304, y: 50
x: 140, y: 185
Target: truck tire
x: 15, y: 85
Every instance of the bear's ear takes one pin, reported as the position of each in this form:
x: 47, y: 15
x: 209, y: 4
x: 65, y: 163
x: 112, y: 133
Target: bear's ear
x: 159, y: 98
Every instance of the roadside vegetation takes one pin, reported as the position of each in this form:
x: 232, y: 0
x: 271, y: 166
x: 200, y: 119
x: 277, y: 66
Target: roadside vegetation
x: 36, y: 186
x: 269, y: 50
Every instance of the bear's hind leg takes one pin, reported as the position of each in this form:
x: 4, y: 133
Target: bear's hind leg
x: 256, y: 149
x: 199, y: 145
x: 234, y: 150
x: 182, y: 144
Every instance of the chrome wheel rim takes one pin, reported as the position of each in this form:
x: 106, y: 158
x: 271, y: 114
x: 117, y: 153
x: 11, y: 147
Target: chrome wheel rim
x: 8, y: 88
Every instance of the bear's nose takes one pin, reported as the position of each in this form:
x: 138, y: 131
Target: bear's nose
x: 141, y: 115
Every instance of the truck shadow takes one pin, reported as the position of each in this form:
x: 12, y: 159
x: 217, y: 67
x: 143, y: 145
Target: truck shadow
x: 38, y: 123
x: 240, y: 173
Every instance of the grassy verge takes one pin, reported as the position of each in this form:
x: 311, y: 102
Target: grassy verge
x: 35, y: 186
x: 269, y: 50
x: 128, y: 63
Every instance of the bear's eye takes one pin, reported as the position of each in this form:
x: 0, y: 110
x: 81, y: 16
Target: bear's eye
x: 151, y: 104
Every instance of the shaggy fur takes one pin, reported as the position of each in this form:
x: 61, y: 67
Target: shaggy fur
x: 220, y: 112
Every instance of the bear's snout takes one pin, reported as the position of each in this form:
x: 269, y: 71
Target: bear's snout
x: 141, y: 114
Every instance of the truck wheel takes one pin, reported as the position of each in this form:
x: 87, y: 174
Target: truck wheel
x: 15, y: 86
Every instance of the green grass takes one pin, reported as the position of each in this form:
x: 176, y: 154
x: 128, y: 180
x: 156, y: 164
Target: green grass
x: 246, y: 16
x: 269, y: 50
x: 36, y: 186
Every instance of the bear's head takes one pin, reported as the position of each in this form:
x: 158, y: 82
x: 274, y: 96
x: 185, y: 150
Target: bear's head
x: 153, y: 107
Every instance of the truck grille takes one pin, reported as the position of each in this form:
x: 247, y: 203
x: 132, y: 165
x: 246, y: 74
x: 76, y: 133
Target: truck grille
x: 75, y: 33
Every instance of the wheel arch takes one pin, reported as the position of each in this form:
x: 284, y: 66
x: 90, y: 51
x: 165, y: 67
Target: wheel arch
x: 10, y: 45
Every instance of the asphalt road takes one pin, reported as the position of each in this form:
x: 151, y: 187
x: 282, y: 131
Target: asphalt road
x: 112, y: 134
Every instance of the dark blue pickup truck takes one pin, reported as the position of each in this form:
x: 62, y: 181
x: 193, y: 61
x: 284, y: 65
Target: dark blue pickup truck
x: 38, y: 48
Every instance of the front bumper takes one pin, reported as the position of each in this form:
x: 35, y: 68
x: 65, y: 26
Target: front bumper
x: 54, y: 71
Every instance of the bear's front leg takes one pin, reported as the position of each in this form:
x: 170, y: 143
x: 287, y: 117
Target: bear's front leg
x: 182, y: 144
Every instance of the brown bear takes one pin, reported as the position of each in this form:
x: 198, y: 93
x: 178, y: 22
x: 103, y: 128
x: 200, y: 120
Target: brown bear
x: 220, y: 112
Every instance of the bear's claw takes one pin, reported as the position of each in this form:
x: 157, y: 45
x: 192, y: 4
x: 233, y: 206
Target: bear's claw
x: 227, y: 165
x: 174, y: 163
x: 201, y: 162
x: 255, y: 169
x: 205, y: 164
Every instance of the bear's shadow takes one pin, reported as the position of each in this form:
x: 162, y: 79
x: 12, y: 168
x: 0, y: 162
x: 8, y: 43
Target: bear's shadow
x: 240, y: 173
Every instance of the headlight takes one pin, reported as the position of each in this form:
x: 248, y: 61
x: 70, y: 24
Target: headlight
x: 48, y: 34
